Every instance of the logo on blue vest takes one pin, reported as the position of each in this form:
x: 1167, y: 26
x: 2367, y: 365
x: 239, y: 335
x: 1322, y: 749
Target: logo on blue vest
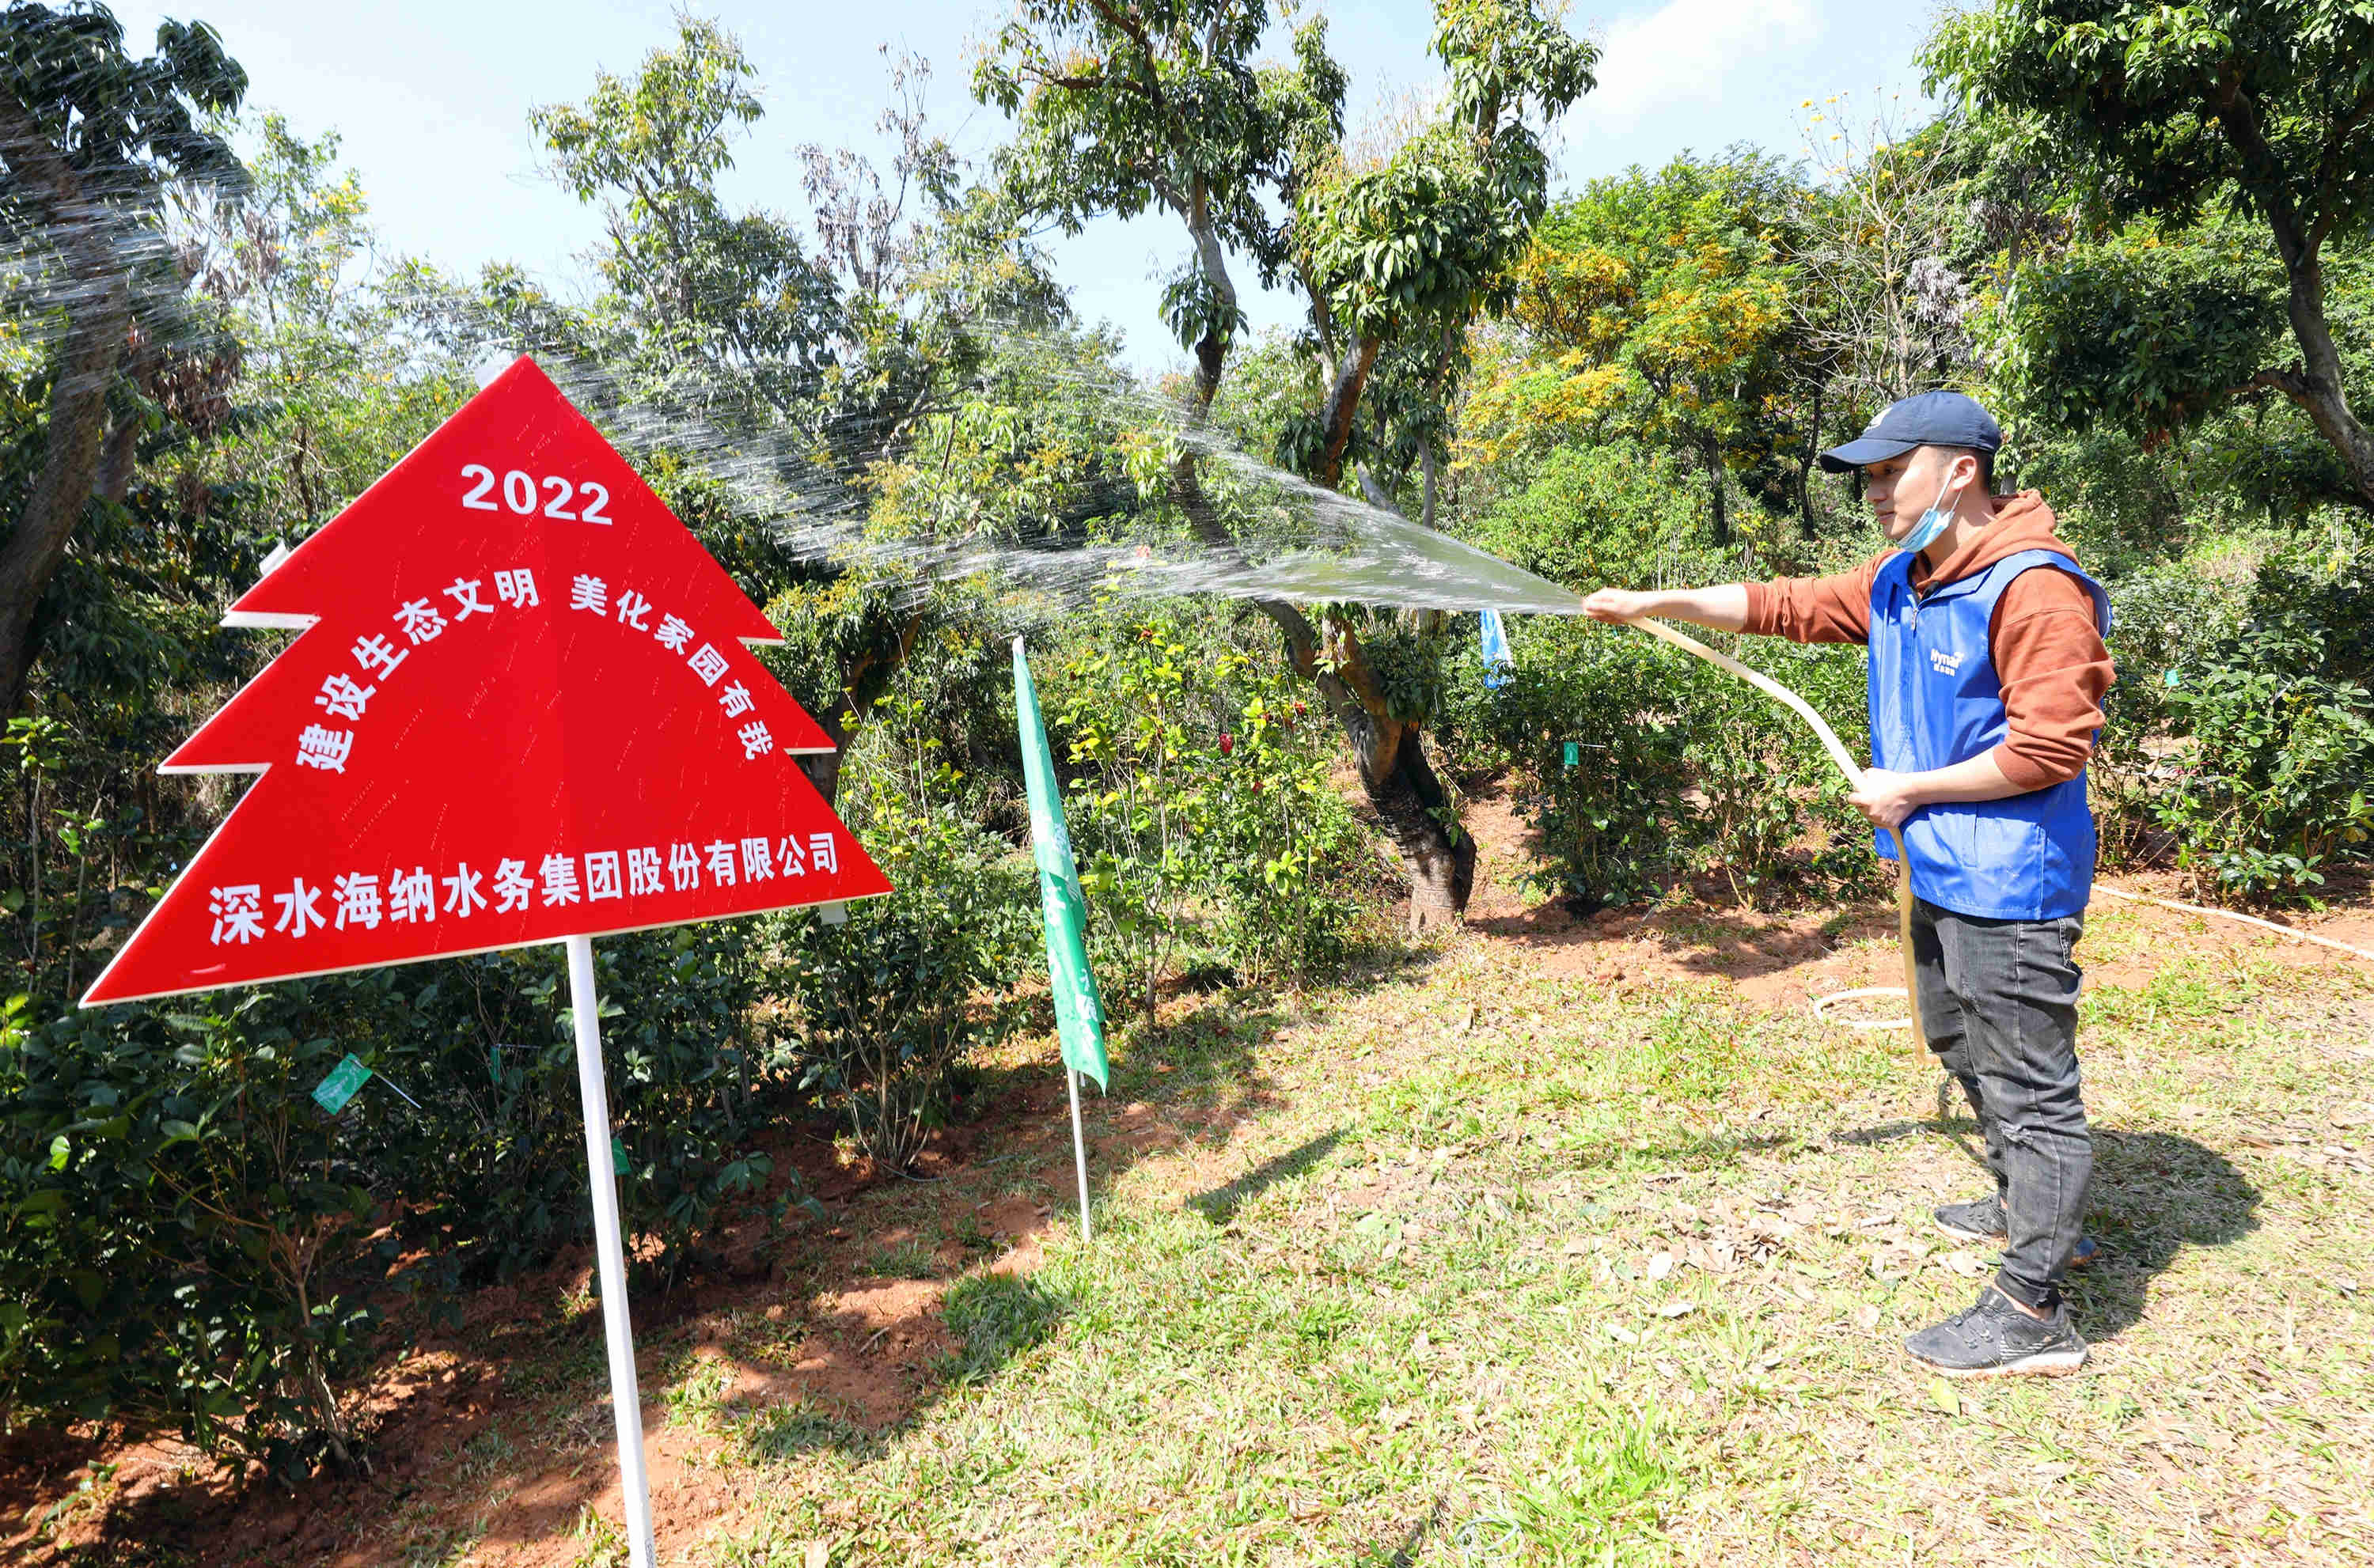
x: 1942, y: 663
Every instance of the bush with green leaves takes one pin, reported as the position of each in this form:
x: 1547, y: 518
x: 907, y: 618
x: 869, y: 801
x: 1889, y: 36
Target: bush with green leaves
x: 893, y: 999
x: 1678, y: 769
x: 1200, y: 803
x: 191, y: 1244
x: 2269, y: 735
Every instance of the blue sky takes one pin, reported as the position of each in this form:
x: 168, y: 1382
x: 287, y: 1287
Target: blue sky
x: 431, y: 98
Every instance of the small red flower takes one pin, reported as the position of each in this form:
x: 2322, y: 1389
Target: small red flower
x: 1227, y: 745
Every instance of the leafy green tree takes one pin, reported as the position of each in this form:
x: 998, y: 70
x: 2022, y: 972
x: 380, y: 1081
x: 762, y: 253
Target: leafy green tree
x: 1118, y: 107
x: 2263, y: 106
x: 720, y: 305
x: 790, y: 381
x: 331, y: 386
x: 93, y: 138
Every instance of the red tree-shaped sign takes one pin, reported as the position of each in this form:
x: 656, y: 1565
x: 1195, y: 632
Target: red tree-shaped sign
x: 520, y: 708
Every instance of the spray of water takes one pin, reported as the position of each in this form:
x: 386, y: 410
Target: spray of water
x: 1290, y: 539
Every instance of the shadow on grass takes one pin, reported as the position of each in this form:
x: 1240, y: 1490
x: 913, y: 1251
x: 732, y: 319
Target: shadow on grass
x: 1686, y: 1153
x: 994, y: 1318
x: 1889, y: 1131
x: 1221, y: 1203
x: 2153, y: 1194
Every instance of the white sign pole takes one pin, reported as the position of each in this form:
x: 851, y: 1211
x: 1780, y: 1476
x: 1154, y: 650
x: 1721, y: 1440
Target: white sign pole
x: 626, y: 1397
x: 1079, y: 1150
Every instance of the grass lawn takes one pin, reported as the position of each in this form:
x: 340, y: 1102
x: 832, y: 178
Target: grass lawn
x: 1467, y: 1261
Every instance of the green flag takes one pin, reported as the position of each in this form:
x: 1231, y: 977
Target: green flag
x: 1079, y: 1013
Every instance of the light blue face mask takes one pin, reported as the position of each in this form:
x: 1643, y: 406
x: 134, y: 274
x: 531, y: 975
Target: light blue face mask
x: 1932, y: 522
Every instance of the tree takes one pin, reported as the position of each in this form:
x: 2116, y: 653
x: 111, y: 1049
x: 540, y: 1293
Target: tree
x: 1885, y: 303
x: 92, y: 138
x: 2266, y: 106
x: 1658, y: 309
x: 1122, y: 106
x: 333, y: 389
x: 865, y: 232
x: 720, y: 320
x: 727, y: 314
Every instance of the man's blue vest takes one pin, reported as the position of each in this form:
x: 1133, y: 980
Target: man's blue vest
x: 1935, y: 700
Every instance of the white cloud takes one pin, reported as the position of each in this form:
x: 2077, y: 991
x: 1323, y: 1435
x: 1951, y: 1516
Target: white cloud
x: 1687, y: 52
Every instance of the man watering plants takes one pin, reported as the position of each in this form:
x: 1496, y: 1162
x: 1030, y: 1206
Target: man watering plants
x: 1987, y: 674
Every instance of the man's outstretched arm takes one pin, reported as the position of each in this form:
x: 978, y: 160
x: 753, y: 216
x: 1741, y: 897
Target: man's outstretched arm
x: 1723, y: 606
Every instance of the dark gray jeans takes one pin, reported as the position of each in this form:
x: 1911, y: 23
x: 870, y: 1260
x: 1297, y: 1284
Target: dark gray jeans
x: 1999, y: 1002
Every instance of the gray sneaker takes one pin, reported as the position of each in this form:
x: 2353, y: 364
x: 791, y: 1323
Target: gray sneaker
x: 1994, y: 1339
x: 1982, y: 1222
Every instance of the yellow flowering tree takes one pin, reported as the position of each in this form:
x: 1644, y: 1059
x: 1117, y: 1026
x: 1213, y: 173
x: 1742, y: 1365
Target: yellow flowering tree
x: 1657, y: 308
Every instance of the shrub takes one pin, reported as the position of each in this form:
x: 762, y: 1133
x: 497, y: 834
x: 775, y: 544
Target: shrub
x: 2238, y: 733
x: 2275, y: 780
x: 193, y: 1245
x: 889, y: 1002
x: 1201, y: 809
x: 1678, y: 768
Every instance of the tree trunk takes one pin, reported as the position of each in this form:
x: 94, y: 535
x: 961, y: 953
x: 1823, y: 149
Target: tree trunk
x: 1710, y: 454
x: 1212, y: 349
x: 861, y: 685
x: 1342, y: 402
x: 1429, y: 469
x: 1394, y: 774
x: 1807, y: 524
x: 99, y: 321
x: 824, y: 768
x: 1438, y: 856
x: 76, y: 424
x: 2318, y: 387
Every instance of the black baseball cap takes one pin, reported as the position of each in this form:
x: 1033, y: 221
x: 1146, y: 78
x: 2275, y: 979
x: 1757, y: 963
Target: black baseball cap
x: 1931, y: 419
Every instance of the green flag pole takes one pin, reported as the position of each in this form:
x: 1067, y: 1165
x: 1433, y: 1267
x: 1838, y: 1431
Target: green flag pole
x: 1079, y: 1010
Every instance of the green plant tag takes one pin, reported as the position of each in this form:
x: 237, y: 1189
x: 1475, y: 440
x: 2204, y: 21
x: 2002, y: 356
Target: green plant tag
x: 1573, y: 753
x: 618, y: 1154
x: 333, y: 1092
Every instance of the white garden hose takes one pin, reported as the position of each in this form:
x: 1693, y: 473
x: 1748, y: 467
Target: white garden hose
x: 2293, y: 932
x: 1846, y: 764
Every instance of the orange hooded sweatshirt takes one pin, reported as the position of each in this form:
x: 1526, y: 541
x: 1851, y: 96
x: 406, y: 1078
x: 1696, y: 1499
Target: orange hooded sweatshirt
x: 2048, y: 652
